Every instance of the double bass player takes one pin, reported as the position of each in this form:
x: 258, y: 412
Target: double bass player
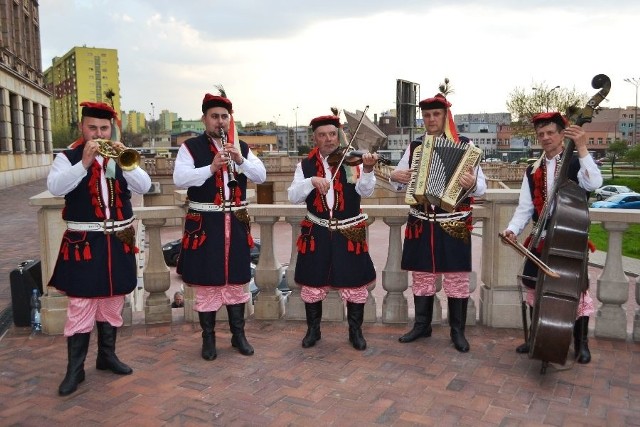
x: 551, y: 129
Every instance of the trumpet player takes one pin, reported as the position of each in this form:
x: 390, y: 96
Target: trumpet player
x: 215, y: 257
x: 96, y: 265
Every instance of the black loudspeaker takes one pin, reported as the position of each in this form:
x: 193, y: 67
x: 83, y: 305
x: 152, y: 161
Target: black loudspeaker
x: 406, y: 103
x: 24, y: 279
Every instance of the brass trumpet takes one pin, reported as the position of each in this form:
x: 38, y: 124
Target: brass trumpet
x: 127, y: 158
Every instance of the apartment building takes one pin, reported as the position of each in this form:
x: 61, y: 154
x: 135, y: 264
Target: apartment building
x: 82, y: 74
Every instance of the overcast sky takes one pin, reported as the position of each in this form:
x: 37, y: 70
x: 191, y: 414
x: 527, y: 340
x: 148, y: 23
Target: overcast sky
x: 274, y: 56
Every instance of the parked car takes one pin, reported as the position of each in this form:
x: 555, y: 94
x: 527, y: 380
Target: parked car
x: 620, y: 201
x: 171, y: 252
x: 609, y: 190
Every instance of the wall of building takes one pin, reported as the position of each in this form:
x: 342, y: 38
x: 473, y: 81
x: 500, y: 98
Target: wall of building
x: 25, y: 116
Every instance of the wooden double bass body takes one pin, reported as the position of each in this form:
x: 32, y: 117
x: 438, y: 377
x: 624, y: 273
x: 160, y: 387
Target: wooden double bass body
x: 564, y: 251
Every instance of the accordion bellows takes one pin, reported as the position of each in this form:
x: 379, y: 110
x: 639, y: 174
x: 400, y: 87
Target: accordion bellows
x: 437, y: 165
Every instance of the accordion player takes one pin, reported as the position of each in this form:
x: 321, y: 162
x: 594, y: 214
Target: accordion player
x: 436, y: 166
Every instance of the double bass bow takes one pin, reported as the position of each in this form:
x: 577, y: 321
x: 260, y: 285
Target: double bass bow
x: 565, y: 219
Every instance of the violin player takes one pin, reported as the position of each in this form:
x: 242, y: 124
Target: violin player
x: 551, y: 128
x: 96, y: 265
x: 332, y: 246
x: 429, y: 250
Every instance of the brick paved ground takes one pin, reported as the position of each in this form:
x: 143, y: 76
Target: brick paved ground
x: 423, y: 383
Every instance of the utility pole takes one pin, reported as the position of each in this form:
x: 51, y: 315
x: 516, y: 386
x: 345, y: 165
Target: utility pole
x: 153, y: 119
x: 547, y: 95
x: 295, y: 132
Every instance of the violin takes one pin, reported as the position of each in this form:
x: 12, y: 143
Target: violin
x: 351, y: 158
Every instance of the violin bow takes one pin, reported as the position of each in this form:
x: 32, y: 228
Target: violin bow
x: 353, y: 137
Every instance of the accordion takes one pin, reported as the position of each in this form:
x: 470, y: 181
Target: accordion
x: 436, y: 166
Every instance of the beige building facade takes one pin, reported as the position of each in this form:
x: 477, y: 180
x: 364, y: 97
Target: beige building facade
x: 25, y: 116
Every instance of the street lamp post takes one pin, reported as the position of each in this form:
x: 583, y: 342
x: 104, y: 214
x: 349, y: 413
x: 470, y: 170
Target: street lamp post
x: 295, y: 132
x: 636, y: 82
x: 275, y: 121
x: 547, y: 95
x: 153, y: 119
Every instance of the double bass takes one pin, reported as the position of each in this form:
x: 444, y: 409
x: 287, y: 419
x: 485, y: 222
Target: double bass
x: 565, y: 217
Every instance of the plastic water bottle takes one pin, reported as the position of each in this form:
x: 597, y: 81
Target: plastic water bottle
x: 36, y: 326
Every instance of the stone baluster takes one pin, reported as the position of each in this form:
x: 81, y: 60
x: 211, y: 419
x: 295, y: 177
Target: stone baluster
x: 269, y: 304
x: 394, y: 279
x: 370, y: 308
x: 613, y: 287
x: 295, y: 306
x: 157, y: 307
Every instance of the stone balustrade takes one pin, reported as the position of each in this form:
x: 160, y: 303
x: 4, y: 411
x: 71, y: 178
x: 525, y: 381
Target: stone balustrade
x: 498, y: 301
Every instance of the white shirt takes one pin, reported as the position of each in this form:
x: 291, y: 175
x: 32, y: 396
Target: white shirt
x: 65, y: 177
x: 301, y: 186
x: 186, y: 175
x: 589, y: 178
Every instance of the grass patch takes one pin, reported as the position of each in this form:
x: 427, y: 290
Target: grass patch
x: 630, y: 248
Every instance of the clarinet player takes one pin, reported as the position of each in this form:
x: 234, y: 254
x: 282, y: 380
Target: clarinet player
x: 215, y: 258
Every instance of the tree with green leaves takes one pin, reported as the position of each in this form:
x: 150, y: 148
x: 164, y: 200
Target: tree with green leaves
x: 633, y: 155
x: 524, y: 103
x: 617, y: 150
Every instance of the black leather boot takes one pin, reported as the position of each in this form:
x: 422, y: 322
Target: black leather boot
x: 236, y: 324
x: 457, y: 320
x: 77, y: 346
x: 422, y: 324
x: 208, y: 323
x: 355, y: 315
x: 107, y: 359
x: 580, y: 340
x: 314, y: 317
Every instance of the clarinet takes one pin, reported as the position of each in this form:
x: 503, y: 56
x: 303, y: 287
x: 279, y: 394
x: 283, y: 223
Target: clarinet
x: 231, y: 168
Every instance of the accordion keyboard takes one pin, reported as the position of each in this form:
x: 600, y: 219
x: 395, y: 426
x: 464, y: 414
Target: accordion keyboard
x: 436, y: 166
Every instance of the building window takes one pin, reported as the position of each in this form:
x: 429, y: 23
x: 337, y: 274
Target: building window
x: 599, y: 141
x: 590, y: 141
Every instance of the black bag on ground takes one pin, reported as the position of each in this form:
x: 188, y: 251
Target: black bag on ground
x: 24, y: 279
